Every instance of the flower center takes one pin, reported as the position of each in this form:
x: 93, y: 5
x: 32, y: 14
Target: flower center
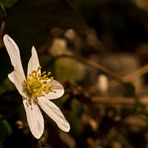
x: 38, y: 84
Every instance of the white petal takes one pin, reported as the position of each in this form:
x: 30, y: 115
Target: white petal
x: 54, y: 112
x: 33, y: 63
x: 15, y: 78
x: 58, y: 90
x: 34, y: 118
x: 14, y: 54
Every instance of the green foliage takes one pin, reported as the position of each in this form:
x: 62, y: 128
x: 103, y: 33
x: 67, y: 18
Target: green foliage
x: 75, y: 118
x: 2, y: 12
x: 67, y: 69
x: 29, y: 22
x: 8, y: 3
x: 129, y: 90
x: 5, y: 130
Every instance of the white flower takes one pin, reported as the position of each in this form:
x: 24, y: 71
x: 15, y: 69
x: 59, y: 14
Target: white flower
x: 37, y: 90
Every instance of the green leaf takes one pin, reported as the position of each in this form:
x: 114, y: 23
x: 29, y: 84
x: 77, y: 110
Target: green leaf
x: 30, y: 21
x: 67, y: 69
x: 75, y: 118
x: 2, y: 12
x: 5, y: 130
x: 129, y: 90
x: 8, y: 3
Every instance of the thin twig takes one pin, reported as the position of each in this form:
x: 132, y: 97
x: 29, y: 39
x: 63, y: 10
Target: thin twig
x: 95, y: 65
x: 138, y: 73
x: 127, y: 78
x: 132, y: 76
x: 120, y: 100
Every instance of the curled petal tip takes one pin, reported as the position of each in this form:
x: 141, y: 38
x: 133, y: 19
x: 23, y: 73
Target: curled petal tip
x: 67, y: 129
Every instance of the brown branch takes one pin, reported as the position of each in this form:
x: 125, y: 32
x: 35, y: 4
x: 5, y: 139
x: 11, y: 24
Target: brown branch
x: 132, y: 76
x: 127, y: 78
x: 137, y: 73
x: 119, y: 100
x: 93, y: 64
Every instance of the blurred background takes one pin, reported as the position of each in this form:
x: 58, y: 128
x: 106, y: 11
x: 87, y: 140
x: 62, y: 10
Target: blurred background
x: 98, y: 50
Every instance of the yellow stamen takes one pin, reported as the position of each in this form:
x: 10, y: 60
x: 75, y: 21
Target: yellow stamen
x: 38, y: 84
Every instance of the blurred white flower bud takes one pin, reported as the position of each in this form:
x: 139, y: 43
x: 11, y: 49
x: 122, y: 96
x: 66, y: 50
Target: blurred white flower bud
x: 102, y: 83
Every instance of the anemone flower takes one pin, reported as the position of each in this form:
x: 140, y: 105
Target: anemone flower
x: 37, y: 89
